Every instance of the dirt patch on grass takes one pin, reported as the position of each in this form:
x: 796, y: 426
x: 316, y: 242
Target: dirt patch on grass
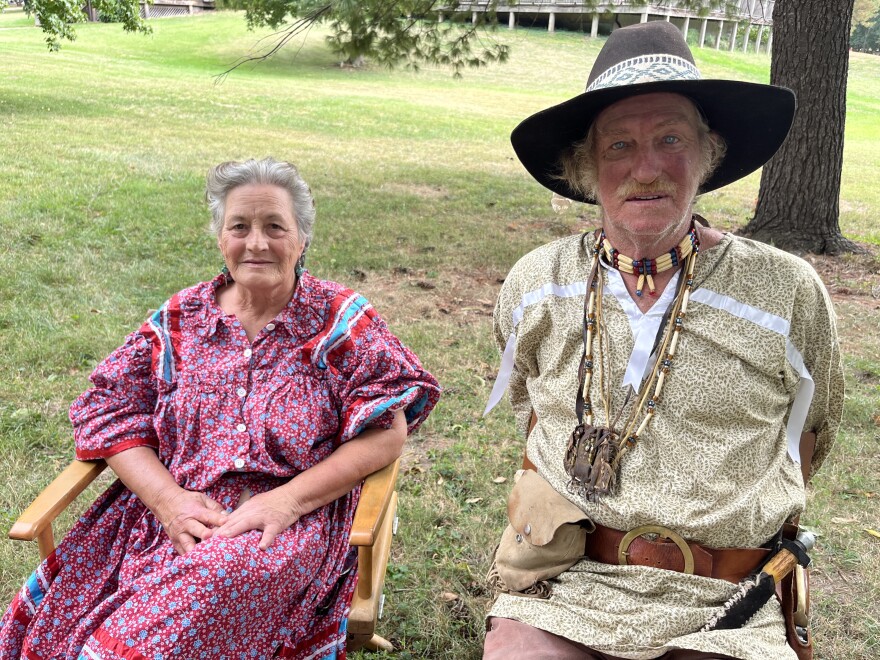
x: 416, y: 190
x: 853, y: 281
x: 410, y: 295
x: 833, y: 581
x: 850, y: 276
x: 416, y: 457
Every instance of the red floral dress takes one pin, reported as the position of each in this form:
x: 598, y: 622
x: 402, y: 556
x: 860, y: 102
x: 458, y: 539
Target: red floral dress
x: 223, y: 414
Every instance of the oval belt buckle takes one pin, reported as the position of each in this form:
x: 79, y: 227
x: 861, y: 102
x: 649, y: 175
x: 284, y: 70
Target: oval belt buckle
x: 664, y: 532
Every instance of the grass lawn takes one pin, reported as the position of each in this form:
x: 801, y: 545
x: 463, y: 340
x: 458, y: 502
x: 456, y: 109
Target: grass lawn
x: 422, y: 206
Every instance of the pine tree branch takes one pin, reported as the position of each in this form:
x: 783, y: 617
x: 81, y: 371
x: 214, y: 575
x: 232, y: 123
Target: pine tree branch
x: 296, y: 28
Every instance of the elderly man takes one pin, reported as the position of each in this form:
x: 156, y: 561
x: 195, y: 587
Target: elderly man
x: 677, y: 385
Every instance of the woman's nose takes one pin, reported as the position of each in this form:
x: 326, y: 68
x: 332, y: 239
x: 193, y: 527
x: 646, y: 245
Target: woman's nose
x: 256, y: 239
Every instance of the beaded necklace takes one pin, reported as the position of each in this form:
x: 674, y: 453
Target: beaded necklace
x: 593, y: 457
x: 645, y: 268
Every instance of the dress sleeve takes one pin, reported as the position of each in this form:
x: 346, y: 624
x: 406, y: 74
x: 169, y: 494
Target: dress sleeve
x: 814, y: 332
x: 115, y: 413
x: 373, y: 373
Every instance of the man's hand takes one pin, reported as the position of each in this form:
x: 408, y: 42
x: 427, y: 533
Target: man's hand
x: 188, y: 517
x: 272, y: 512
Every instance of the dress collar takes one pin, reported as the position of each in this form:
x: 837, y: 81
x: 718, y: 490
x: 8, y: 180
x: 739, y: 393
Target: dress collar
x: 302, y: 317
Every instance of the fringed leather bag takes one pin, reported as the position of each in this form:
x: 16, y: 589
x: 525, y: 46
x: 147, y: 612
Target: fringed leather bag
x: 545, y: 537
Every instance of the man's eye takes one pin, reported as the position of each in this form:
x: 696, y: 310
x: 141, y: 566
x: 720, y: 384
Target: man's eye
x: 670, y: 139
x: 617, y: 146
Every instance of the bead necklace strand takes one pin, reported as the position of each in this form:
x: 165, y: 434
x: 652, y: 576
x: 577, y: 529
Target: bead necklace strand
x: 592, y: 328
x: 646, y: 268
x: 647, y: 399
x: 648, y: 402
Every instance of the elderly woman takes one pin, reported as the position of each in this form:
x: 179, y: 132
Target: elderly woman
x: 240, y: 419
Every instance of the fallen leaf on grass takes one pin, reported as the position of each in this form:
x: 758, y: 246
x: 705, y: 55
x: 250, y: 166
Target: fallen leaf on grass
x: 859, y: 493
x: 473, y: 500
x: 448, y: 596
x: 499, y: 480
x: 873, y: 532
x: 844, y: 521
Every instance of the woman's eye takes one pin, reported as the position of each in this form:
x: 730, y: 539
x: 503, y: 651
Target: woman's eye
x: 617, y: 146
x: 670, y: 139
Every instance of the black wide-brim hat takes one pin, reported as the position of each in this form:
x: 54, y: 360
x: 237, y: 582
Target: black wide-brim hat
x: 647, y: 58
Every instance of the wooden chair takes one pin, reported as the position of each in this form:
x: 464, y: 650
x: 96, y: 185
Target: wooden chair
x: 375, y: 521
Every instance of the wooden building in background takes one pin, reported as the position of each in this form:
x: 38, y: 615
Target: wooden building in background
x: 749, y: 28
x: 166, y: 8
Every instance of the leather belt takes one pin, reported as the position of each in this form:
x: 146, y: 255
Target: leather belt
x: 671, y: 552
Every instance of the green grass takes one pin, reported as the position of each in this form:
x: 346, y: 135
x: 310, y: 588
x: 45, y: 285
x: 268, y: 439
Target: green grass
x: 15, y: 17
x: 421, y: 205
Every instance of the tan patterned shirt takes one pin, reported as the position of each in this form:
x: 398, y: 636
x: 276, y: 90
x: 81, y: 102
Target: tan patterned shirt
x: 757, y: 363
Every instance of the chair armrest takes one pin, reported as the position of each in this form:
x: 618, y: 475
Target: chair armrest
x: 375, y: 496
x: 39, y: 516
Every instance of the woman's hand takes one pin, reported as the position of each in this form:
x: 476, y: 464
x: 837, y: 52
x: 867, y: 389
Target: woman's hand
x: 185, y: 515
x: 276, y: 510
x: 272, y: 512
x: 188, y: 517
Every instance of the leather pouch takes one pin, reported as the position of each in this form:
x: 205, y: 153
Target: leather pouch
x: 545, y: 537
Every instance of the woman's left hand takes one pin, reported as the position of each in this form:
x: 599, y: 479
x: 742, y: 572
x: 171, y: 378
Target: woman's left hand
x: 272, y: 512
x: 276, y: 510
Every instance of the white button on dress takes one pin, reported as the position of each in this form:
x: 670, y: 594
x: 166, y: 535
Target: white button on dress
x: 241, y: 428
x: 270, y: 327
x: 247, y: 352
x: 241, y: 391
x: 238, y: 463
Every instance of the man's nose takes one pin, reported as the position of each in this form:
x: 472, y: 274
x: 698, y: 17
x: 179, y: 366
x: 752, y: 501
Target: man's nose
x: 646, y: 165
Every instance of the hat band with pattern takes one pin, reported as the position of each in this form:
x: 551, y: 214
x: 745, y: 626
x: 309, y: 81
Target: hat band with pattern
x: 645, y: 69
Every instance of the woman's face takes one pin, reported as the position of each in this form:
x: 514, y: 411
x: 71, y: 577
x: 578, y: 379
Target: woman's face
x: 259, y: 238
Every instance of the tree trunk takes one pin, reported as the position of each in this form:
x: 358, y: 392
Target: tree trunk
x: 798, y: 204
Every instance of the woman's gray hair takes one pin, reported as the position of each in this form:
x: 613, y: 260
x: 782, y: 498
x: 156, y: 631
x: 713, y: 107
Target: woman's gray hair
x: 578, y: 167
x: 231, y: 174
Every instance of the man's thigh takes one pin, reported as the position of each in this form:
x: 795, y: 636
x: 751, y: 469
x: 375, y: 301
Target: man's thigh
x: 508, y: 639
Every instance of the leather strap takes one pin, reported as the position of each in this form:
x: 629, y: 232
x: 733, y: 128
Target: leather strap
x: 731, y: 564
x: 527, y: 464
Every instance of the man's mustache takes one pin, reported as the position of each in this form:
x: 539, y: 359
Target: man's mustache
x: 661, y: 186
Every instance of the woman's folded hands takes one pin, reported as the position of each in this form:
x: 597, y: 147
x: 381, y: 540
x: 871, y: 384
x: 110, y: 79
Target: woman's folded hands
x: 188, y: 516
x: 272, y: 512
